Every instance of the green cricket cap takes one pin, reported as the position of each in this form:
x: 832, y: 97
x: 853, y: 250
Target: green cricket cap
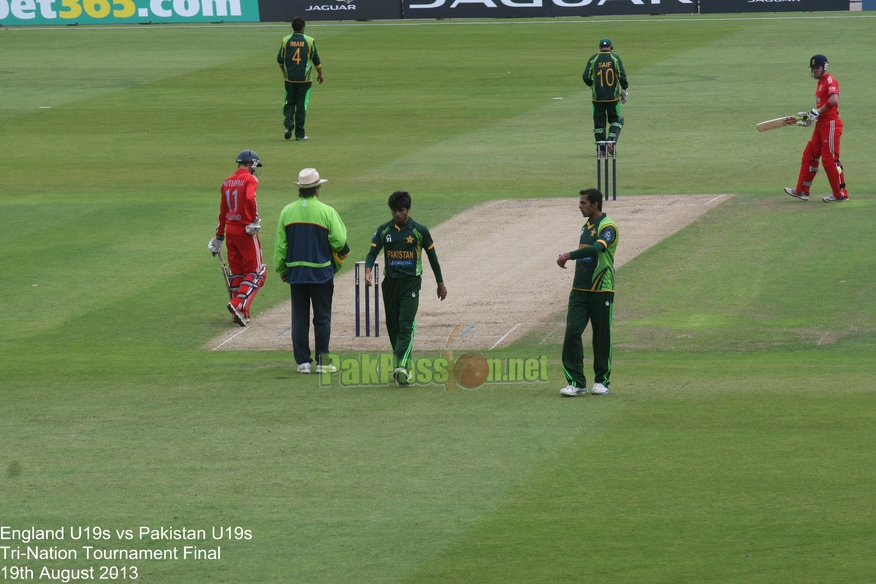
x: 604, y: 43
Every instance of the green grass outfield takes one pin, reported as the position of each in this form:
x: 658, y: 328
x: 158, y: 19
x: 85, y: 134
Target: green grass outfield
x: 737, y: 442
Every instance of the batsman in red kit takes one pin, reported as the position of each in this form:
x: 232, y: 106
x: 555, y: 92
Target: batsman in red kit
x: 239, y: 227
x: 825, y: 141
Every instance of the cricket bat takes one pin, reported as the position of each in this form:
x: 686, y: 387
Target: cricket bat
x: 781, y: 122
x: 227, y: 273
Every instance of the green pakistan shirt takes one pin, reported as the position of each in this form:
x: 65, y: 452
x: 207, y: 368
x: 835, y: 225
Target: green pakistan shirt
x: 594, y: 258
x: 606, y: 76
x: 402, y: 248
x: 298, y: 56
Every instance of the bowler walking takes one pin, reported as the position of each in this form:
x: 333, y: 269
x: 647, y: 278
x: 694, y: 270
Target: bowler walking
x: 403, y: 242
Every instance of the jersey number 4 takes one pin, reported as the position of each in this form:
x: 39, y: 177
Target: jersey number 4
x: 297, y: 56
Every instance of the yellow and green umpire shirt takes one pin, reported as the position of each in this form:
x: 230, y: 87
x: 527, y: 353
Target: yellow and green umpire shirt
x: 298, y: 56
x: 402, y: 250
x: 311, y: 242
x: 594, y: 258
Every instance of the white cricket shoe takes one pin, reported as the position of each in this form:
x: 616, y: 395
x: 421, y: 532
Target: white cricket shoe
x: 326, y: 368
x: 832, y: 199
x: 572, y: 391
x: 793, y: 193
x: 401, y: 376
x: 599, y: 389
x: 304, y: 368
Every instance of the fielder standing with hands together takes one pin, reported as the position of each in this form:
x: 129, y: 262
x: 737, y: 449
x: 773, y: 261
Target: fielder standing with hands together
x: 591, y: 299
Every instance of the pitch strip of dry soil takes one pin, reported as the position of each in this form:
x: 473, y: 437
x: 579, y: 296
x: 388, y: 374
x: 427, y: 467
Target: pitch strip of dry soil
x: 499, y: 265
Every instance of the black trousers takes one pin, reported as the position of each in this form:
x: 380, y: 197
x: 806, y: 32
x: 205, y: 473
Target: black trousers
x: 320, y: 297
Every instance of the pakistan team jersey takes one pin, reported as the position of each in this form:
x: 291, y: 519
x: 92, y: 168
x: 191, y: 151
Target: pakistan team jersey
x: 298, y: 56
x: 403, y: 247
x: 606, y: 76
x: 595, y: 272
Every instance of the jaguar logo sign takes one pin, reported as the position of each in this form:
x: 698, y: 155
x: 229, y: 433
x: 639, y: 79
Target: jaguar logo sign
x: 344, y: 5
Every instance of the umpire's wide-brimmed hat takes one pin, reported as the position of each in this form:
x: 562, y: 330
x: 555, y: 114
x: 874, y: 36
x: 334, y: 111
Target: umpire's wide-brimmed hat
x: 604, y: 43
x: 309, y: 178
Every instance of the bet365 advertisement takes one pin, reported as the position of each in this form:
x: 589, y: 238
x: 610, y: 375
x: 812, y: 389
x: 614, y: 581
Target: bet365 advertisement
x: 44, y: 12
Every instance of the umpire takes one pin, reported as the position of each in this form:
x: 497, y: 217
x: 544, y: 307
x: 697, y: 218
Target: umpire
x: 310, y: 247
x: 605, y: 75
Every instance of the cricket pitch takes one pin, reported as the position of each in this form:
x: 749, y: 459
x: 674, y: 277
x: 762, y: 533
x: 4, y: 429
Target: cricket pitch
x: 501, y: 285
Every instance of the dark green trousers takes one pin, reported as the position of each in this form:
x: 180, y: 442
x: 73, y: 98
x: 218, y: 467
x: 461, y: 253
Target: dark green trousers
x: 607, y: 114
x: 295, y: 106
x: 401, y: 299
x: 597, y: 308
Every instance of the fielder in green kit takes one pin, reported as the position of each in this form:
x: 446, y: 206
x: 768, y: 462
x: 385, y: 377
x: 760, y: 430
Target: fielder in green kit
x: 297, y: 59
x: 592, y: 297
x: 403, y: 240
x: 607, y: 79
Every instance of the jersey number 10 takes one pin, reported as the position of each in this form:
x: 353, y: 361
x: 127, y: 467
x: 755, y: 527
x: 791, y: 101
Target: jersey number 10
x: 607, y: 77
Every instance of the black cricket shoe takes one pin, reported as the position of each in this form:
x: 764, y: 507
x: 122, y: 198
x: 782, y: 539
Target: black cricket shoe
x: 237, y: 315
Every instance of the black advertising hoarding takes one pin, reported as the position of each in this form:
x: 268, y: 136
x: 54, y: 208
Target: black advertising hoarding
x: 531, y: 8
x: 475, y: 9
x: 285, y: 10
x: 622, y: 7
x: 726, y: 6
